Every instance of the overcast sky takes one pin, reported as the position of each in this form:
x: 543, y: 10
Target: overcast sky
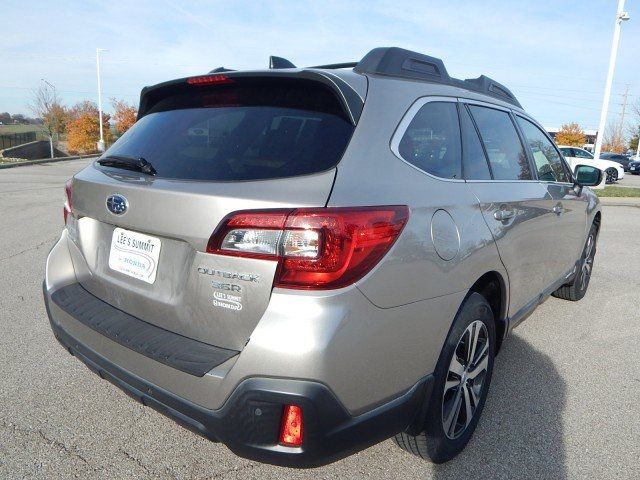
x: 552, y: 54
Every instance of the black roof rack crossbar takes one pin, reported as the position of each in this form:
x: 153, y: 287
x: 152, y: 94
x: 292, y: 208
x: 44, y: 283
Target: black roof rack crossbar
x: 279, y: 62
x: 398, y: 62
x: 333, y: 66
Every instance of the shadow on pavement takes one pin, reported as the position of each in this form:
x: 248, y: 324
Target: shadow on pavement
x: 520, y: 432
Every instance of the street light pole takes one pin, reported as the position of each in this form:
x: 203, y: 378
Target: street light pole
x: 51, y: 153
x: 101, y: 141
x: 621, y: 16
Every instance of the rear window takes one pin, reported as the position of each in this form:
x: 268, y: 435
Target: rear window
x: 252, y: 132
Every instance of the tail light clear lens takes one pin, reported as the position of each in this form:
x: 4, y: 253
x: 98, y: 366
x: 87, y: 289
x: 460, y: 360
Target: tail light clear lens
x: 68, y: 203
x: 316, y: 248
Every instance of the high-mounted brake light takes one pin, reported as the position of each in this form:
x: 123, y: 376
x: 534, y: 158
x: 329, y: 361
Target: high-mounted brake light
x: 209, y: 80
x: 68, y: 203
x: 291, y: 429
x: 316, y: 248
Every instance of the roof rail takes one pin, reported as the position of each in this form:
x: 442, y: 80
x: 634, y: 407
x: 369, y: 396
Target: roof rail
x: 279, y: 62
x: 398, y: 62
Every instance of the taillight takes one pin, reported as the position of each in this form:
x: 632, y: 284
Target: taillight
x: 291, y: 429
x: 316, y: 248
x: 209, y: 80
x: 68, y: 203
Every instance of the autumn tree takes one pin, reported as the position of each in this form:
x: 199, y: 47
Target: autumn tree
x: 571, y: 134
x: 83, y: 128
x: 124, y: 115
x: 613, y: 140
x: 46, y: 105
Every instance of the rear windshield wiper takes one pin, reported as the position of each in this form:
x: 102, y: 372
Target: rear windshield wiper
x: 138, y: 164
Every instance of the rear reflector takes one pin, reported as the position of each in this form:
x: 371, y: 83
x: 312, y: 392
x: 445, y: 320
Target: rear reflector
x: 316, y: 248
x: 209, y: 80
x: 68, y: 204
x: 291, y: 430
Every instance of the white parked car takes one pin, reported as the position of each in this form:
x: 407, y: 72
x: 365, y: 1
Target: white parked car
x: 579, y: 156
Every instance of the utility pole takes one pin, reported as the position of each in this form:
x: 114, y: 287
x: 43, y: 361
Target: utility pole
x: 621, y: 16
x: 101, y: 141
x: 624, y: 108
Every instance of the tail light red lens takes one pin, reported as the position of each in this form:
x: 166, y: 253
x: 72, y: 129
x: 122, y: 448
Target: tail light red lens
x: 209, y: 80
x: 316, y: 248
x: 68, y: 203
x: 292, y: 428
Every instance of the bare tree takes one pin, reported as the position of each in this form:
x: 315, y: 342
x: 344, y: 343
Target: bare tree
x: 634, y: 127
x: 613, y: 140
x: 46, y: 105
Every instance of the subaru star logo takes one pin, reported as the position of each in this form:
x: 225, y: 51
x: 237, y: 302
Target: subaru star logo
x: 117, y: 204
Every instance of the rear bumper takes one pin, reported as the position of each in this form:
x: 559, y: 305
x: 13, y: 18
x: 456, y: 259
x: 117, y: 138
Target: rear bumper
x: 249, y: 420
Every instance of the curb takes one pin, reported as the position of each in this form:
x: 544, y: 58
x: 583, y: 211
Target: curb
x: 43, y: 160
x: 620, y: 202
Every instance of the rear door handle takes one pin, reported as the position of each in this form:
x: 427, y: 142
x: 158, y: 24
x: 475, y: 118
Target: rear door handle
x: 504, y: 214
x: 558, y: 209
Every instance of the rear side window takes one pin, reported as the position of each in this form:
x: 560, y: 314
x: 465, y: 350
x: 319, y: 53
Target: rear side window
x: 581, y: 153
x: 474, y: 161
x: 249, y: 132
x: 566, y: 152
x: 432, y: 140
x: 545, y: 156
x: 502, y: 143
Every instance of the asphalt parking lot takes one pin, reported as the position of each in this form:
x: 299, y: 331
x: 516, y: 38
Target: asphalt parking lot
x: 630, y: 180
x: 563, y: 402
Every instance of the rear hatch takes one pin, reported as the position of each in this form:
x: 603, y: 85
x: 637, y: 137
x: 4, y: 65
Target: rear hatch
x: 217, y: 146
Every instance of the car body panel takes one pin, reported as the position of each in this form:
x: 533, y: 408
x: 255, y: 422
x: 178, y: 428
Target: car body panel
x: 304, y: 335
x: 181, y: 298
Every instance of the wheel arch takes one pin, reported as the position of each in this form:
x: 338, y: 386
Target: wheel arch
x: 493, y: 287
x: 597, y: 218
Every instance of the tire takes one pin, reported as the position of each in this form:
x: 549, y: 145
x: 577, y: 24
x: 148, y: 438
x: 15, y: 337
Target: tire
x: 612, y: 175
x: 576, y: 290
x: 434, y: 443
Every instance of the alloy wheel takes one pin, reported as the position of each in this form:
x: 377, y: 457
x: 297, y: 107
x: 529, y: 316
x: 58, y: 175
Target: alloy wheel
x: 612, y: 175
x: 465, y: 379
x: 587, y: 262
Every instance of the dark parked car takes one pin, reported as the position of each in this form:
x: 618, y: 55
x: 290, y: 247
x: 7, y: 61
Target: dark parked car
x: 617, y: 157
x: 634, y: 167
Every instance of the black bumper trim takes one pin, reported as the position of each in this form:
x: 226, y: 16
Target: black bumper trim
x: 182, y: 353
x: 248, y: 422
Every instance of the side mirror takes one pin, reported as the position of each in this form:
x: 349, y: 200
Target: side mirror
x: 588, y: 176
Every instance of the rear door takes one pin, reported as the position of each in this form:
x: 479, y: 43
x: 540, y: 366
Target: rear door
x: 569, y: 209
x: 513, y: 203
x: 217, y: 149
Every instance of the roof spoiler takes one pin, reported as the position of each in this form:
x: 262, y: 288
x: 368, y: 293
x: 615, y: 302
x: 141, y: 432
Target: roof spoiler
x: 398, y: 62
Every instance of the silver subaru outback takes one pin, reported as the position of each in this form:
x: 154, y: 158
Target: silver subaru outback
x: 302, y: 262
